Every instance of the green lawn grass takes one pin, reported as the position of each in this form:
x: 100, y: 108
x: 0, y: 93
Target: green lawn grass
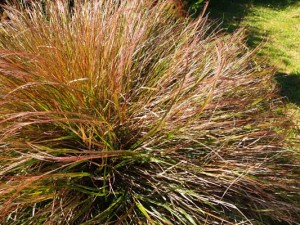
x: 282, y: 29
x: 279, y: 28
x: 275, y: 25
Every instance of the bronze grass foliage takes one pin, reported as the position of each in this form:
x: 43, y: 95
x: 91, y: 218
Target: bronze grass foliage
x: 127, y: 113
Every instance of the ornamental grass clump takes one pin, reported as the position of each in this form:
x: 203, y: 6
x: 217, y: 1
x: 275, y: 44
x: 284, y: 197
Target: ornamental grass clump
x: 125, y: 112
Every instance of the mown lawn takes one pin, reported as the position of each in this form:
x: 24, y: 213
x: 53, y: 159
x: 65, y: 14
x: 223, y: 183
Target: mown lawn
x: 279, y: 28
x: 275, y: 25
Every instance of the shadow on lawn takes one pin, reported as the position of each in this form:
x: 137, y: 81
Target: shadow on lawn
x: 232, y: 12
x: 289, y: 85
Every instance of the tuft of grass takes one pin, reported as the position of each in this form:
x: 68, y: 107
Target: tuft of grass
x: 124, y: 112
